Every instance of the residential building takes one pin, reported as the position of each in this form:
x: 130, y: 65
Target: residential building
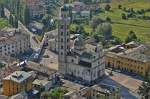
x: 84, y: 61
x: 101, y: 91
x: 43, y: 85
x: 129, y: 57
x: 104, y: 91
x: 17, y: 82
x: 80, y: 11
x: 14, y: 42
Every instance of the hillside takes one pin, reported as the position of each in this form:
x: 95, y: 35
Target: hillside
x: 122, y: 27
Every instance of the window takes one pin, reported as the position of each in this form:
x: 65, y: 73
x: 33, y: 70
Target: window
x: 61, y: 40
x: 61, y: 27
x: 61, y: 53
x: 61, y: 47
x: 67, y: 47
x: 13, y: 51
x: 61, y: 33
x: 72, y: 60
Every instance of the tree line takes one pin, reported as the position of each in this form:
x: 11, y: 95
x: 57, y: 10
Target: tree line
x: 19, y: 11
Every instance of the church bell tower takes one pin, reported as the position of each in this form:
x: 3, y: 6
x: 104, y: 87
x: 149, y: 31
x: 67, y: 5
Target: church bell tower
x: 63, y: 38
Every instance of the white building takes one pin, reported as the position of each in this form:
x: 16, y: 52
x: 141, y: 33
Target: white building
x: 13, y: 42
x: 83, y: 61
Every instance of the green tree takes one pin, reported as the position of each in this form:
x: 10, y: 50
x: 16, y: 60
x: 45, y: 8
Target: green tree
x: 117, y: 41
x: 16, y: 22
x: 107, y: 29
x: 99, y: 33
x: 131, y: 37
x: 11, y: 20
x: 104, y: 31
x: 144, y: 89
x: 26, y: 16
x: 107, y: 7
x: 124, y: 16
x: 108, y: 19
x: 91, y: 14
x: 95, y: 22
x: 2, y: 12
x: 119, y: 6
x: 57, y: 93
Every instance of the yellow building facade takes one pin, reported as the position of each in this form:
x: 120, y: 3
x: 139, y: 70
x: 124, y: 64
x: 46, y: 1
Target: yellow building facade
x: 17, y: 82
x: 127, y: 64
x: 130, y: 57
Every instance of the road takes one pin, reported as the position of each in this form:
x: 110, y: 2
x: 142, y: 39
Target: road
x: 34, y: 44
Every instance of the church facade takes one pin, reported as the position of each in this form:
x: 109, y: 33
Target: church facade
x: 80, y: 60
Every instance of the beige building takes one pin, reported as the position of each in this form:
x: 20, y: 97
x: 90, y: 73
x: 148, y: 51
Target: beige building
x: 44, y: 85
x: 129, y: 57
x: 13, y: 42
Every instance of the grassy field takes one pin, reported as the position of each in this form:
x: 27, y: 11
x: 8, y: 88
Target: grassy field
x: 122, y: 27
x: 138, y: 4
x: 4, y: 23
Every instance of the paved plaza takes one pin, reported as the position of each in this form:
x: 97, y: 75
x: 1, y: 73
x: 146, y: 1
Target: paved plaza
x: 128, y: 84
x: 51, y: 61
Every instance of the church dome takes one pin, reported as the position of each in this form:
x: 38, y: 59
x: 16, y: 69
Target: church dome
x: 79, y: 43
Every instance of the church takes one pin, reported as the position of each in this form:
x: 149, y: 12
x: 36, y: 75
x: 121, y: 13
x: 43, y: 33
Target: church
x: 78, y: 60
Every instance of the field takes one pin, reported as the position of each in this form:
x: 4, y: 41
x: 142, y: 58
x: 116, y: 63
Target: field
x: 4, y: 23
x: 138, y: 4
x: 122, y: 27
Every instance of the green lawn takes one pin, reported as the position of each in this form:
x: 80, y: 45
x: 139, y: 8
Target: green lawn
x: 39, y: 37
x: 122, y: 27
x: 147, y: 14
x: 4, y: 23
x: 138, y: 4
x: 122, y: 31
